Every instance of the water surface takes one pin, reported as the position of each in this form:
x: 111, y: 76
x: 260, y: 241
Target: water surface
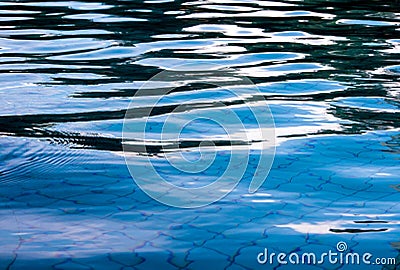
x: 68, y: 70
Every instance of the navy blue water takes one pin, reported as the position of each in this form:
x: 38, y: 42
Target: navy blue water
x: 68, y: 69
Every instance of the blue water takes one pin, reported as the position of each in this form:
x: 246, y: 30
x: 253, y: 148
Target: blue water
x: 329, y: 71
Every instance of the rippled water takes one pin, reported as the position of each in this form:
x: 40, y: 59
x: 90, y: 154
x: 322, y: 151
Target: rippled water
x: 68, y: 70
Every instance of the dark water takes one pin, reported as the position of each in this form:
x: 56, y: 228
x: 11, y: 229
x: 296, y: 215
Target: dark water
x: 68, y: 70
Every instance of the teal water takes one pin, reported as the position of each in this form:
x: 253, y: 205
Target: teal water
x: 329, y: 71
